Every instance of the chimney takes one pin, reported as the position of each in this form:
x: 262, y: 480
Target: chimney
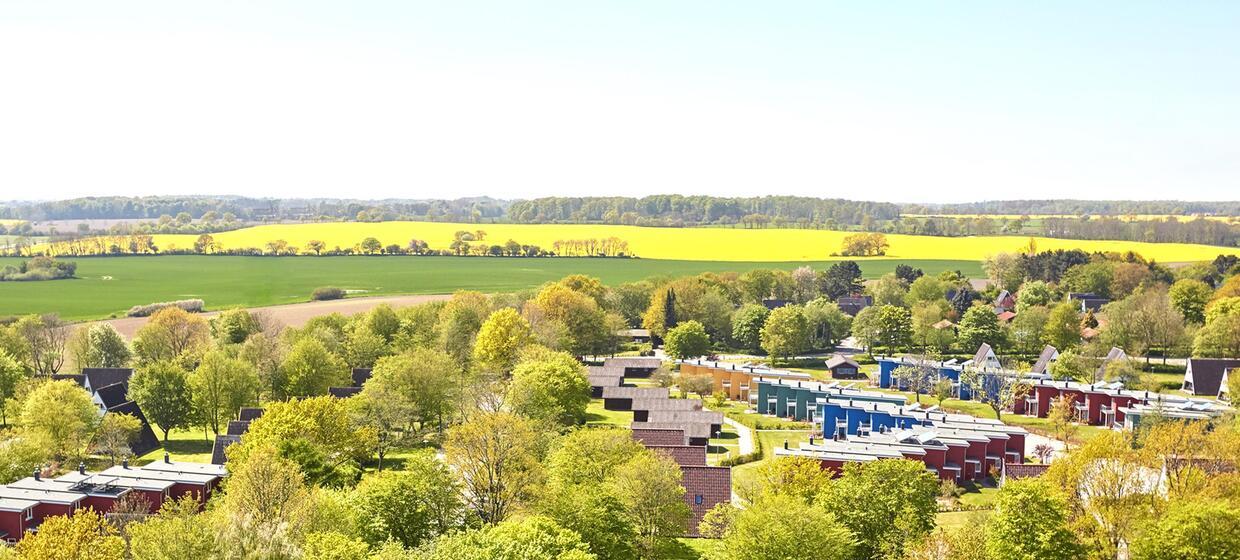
x: 82, y: 467
x: 36, y: 474
x: 125, y: 462
x: 785, y: 444
x: 167, y: 458
x: 811, y: 440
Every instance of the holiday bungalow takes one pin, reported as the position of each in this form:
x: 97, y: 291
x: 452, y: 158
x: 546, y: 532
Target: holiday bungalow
x: 635, y: 366
x: 154, y: 492
x: 735, y: 380
x: 100, y: 495
x: 843, y: 367
x: 707, y: 417
x: 692, y: 433
x: 1208, y: 376
x: 46, y: 503
x: 662, y: 437
x: 801, y: 400
x: 16, y: 517
x: 643, y: 407
x: 621, y: 398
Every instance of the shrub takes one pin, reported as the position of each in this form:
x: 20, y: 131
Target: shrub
x: 326, y: 293
x: 188, y: 305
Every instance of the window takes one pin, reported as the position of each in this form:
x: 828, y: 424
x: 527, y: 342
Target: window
x: 697, y: 499
x: 29, y: 514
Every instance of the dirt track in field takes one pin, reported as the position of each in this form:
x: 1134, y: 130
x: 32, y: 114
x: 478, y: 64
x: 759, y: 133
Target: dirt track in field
x: 296, y: 314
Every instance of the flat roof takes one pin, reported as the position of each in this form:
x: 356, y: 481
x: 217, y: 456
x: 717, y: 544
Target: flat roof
x: 44, y: 496
x: 178, y: 477
x: 145, y: 484
x: 186, y: 467
x: 15, y: 504
x: 100, y: 488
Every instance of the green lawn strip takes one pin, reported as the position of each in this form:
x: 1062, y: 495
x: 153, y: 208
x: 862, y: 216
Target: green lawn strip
x: 596, y: 415
x: 109, y: 285
x: 183, y: 445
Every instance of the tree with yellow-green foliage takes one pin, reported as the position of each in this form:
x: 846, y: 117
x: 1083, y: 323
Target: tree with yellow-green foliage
x: 310, y: 369
x: 1031, y: 521
x: 169, y: 334
x: 580, y: 323
x: 85, y: 535
x: 496, y: 454
x: 176, y: 533
x: 502, y: 334
x: 61, y: 415
x: 549, y: 387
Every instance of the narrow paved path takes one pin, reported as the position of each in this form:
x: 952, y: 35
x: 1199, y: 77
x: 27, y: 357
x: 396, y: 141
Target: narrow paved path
x: 744, y: 434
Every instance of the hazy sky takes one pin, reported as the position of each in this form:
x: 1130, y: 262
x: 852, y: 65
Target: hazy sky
x: 916, y: 101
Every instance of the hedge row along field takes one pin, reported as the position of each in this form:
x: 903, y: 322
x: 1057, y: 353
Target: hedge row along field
x: 107, y: 285
x: 699, y: 244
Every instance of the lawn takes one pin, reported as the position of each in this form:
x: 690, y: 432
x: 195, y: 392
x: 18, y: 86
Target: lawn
x: 599, y: 416
x: 183, y: 445
x: 705, y: 244
x: 110, y: 285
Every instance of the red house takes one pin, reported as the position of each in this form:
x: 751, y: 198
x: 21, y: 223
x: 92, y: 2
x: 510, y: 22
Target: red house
x: 16, y: 516
x: 47, y: 502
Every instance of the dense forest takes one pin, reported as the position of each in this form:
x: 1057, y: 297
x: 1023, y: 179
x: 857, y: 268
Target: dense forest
x: 1079, y: 207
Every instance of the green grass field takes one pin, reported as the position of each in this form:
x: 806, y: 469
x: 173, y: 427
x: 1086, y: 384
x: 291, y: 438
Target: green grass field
x: 110, y: 285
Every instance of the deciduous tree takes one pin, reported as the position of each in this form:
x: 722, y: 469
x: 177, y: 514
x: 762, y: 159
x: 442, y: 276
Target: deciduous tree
x: 220, y: 386
x: 61, y: 416
x: 1031, y: 521
x: 502, y: 334
x: 687, y: 340
x: 496, y: 456
x: 162, y: 391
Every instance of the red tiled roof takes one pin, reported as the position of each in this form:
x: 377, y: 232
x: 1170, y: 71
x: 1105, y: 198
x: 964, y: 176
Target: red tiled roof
x: 712, y: 484
x: 684, y: 455
x: 1013, y: 471
x: 659, y: 436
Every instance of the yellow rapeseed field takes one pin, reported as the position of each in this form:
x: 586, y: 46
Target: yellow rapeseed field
x: 705, y: 244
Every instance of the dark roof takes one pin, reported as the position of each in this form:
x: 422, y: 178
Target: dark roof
x: 841, y: 360
x: 635, y: 393
x: 854, y: 304
x: 982, y: 351
x: 689, y: 416
x: 1044, y: 359
x: 102, y: 377
x: 115, y: 394
x: 1208, y: 374
x: 146, y: 441
x: 667, y: 404
x: 221, y: 443
x: 604, y: 380
x: 772, y: 303
x: 74, y: 377
x: 360, y: 375
x: 343, y: 392
x: 249, y: 413
x: 633, y: 362
x: 1114, y: 354
x: 237, y: 427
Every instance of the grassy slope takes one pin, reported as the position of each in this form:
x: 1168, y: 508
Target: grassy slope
x: 251, y: 281
x: 708, y: 244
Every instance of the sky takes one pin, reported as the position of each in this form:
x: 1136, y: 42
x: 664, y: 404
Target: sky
x: 894, y: 101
